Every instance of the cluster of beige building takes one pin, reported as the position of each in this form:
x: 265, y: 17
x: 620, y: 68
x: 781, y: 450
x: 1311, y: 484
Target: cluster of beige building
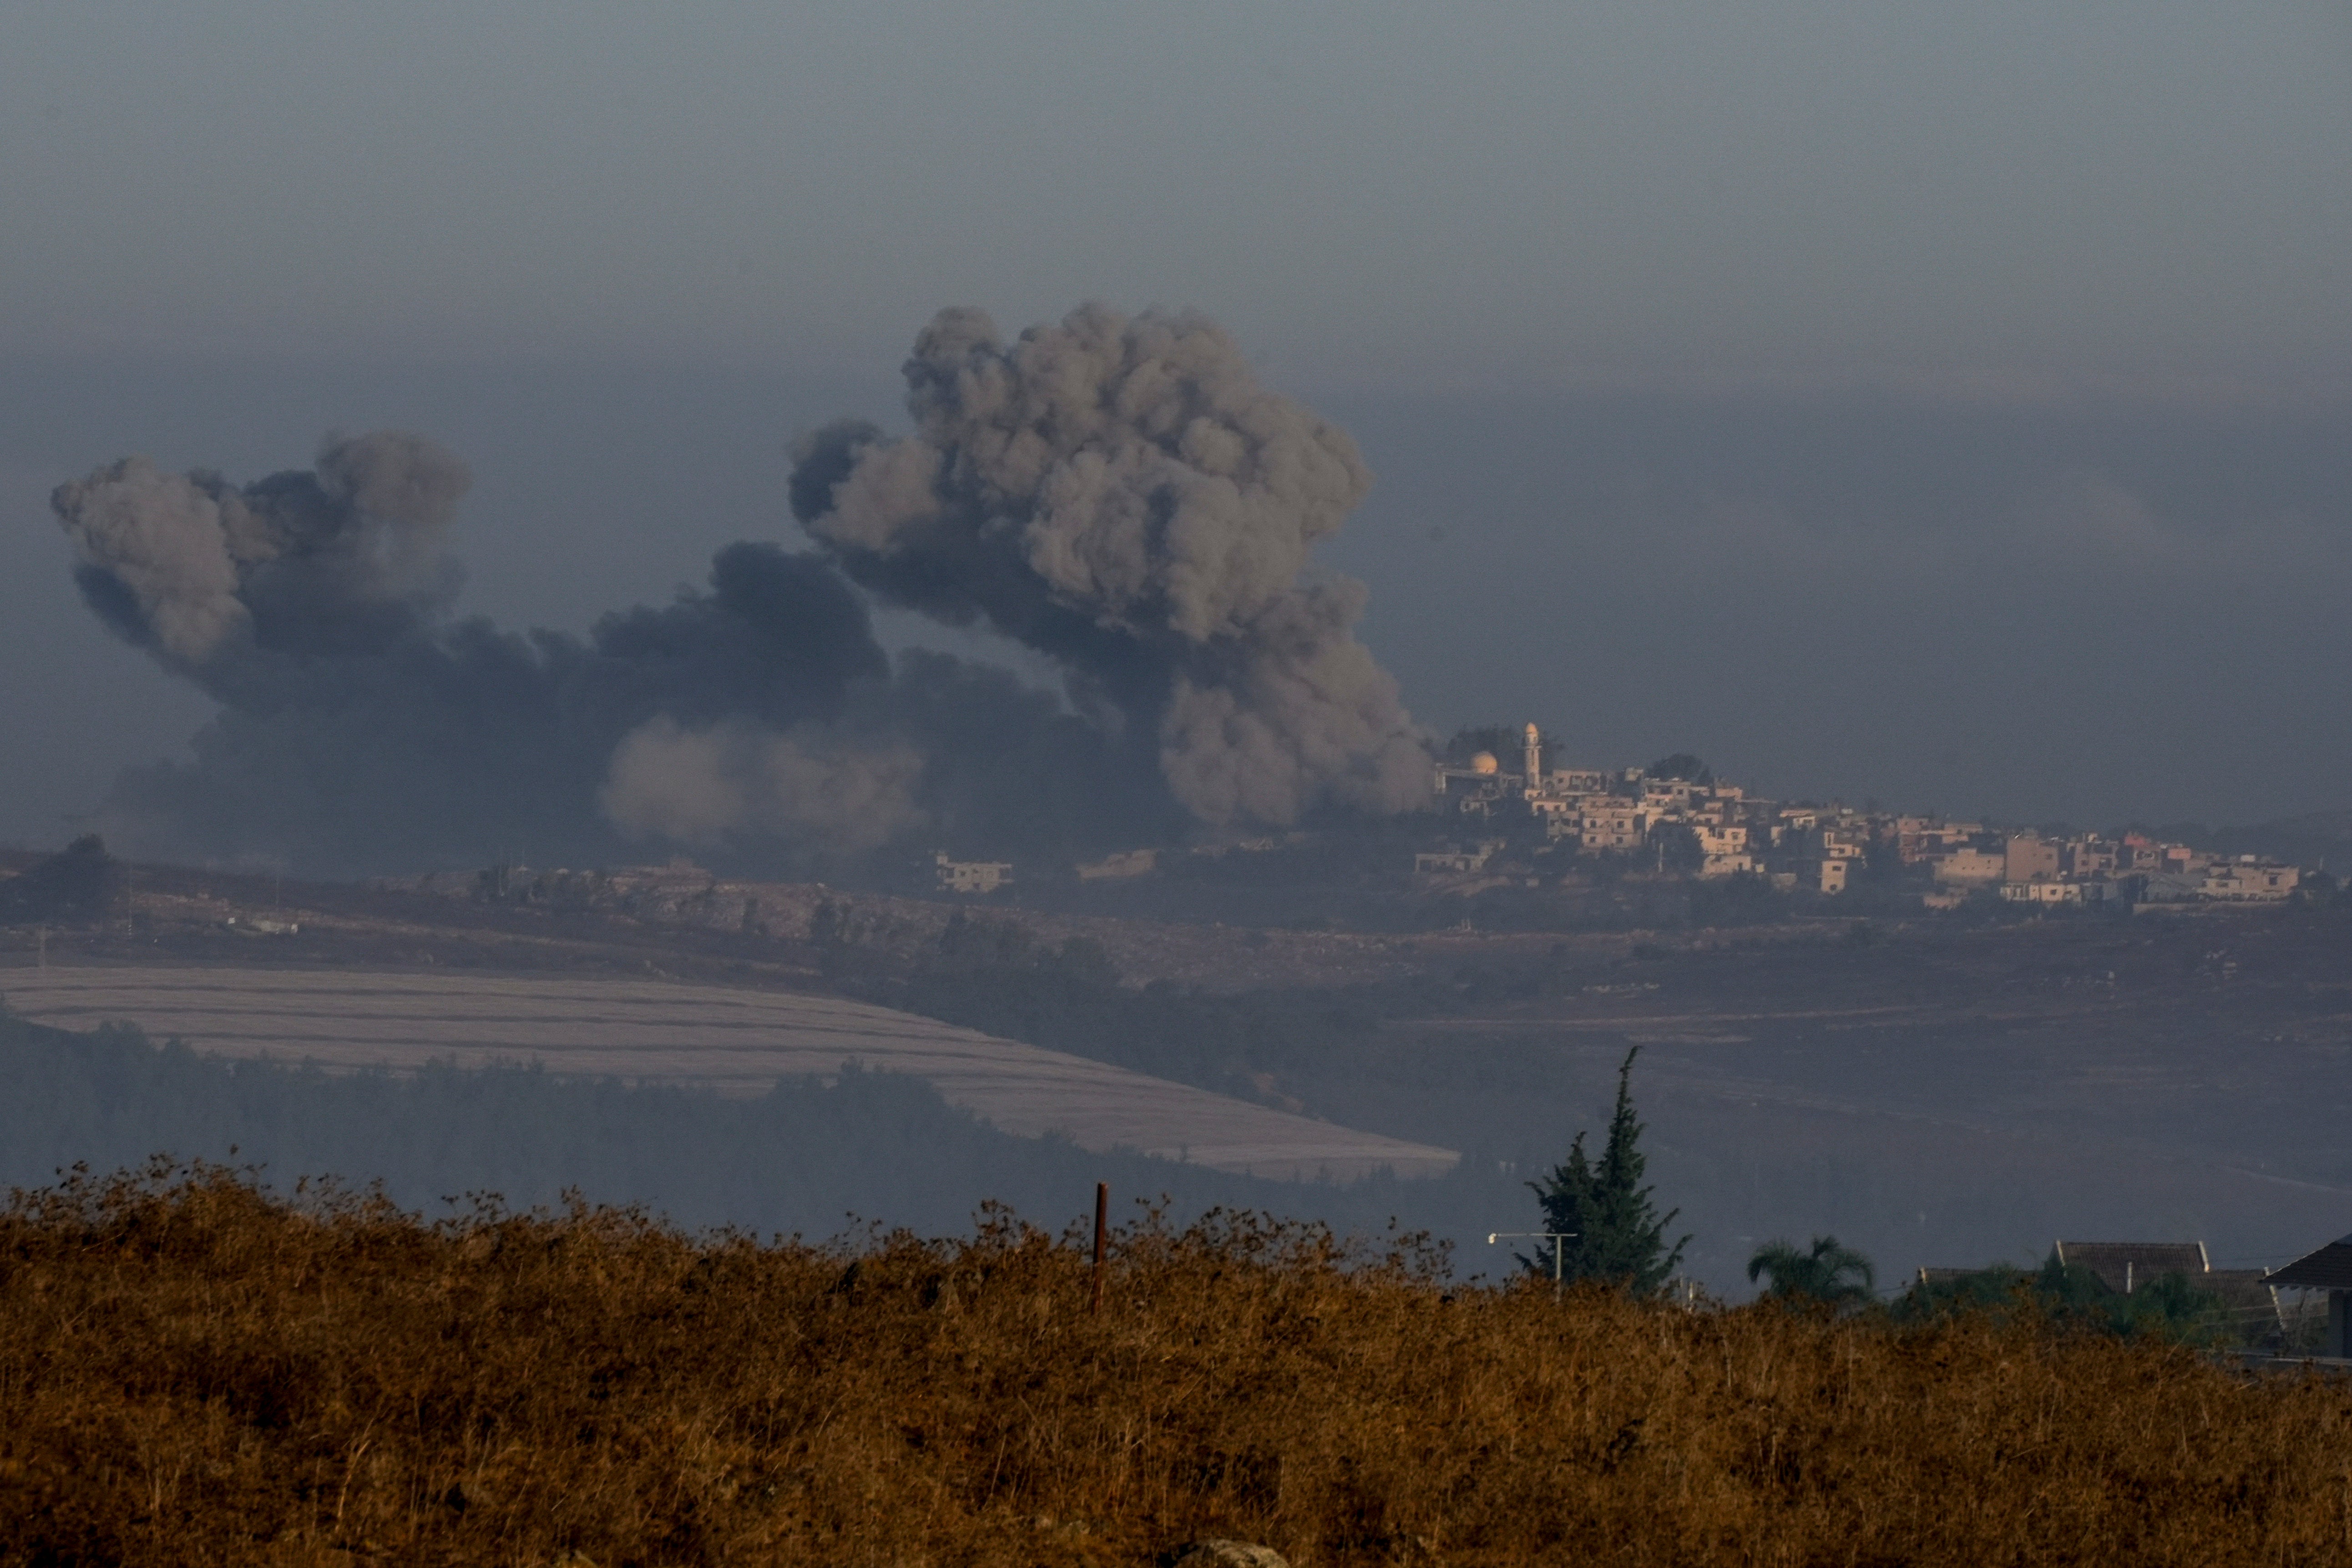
x: 1822, y: 848
x: 1622, y: 813
x: 2086, y: 868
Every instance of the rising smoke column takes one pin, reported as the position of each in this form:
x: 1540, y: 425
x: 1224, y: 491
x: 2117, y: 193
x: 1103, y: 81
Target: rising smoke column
x: 362, y: 727
x: 1123, y: 496
x: 212, y: 579
x: 1120, y: 494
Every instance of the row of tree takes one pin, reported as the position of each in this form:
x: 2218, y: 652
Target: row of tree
x: 74, y: 886
x: 1609, y: 1233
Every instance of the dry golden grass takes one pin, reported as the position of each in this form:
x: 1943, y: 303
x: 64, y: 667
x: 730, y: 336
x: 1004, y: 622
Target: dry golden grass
x: 192, y: 1373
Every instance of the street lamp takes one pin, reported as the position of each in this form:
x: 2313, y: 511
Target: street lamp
x: 1559, y: 1239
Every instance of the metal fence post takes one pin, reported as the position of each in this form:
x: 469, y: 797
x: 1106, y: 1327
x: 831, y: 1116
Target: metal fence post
x: 1102, y: 1238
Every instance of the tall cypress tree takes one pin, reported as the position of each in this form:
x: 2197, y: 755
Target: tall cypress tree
x: 1616, y: 1234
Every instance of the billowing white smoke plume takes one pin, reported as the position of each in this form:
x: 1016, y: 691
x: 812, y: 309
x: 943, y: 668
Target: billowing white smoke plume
x: 1122, y: 495
x: 161, y: 537
x: 195, y: 566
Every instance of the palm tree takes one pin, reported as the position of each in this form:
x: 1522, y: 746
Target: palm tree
x: 1837, y: 1277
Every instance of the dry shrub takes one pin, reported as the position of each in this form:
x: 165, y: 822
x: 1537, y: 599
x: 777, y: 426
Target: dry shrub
x: 192, y: 1373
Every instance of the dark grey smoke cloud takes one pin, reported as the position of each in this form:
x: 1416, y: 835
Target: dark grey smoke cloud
x: 1120, y: 495
x: 361, y: 726
x: 340, y: 560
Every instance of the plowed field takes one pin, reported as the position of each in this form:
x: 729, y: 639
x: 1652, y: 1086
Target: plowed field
x: 734, y: 1040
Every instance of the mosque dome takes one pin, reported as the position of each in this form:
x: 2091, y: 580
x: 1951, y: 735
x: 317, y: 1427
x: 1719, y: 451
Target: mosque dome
x: 1485, y: 763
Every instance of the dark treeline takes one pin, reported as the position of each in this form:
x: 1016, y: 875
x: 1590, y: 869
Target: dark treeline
x: 809, y: 1157
x: 73, y: 885
x: 2174, y: 1306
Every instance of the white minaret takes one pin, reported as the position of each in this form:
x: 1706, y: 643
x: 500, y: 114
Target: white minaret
x: 1535, y: 759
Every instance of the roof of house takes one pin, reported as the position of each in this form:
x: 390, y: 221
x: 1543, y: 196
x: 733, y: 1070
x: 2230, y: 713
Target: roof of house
x: 2126, y: 1265
x: 1932, y: 1275
x: 2247, y: 1297
x: 2329, y: 1269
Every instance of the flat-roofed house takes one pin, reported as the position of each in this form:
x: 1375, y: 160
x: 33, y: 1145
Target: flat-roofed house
x: 1724, y: 850
x: 2028, y: 857
x: 1472, y: 859
x: 1918, y: 838
x: 1612, y: 827
x: 1971, y: 864
x: 1575, y: 781
x: 2091, y: 857
x: 2247, y: 880
x: 1844, y: 843
x: 972, y: 876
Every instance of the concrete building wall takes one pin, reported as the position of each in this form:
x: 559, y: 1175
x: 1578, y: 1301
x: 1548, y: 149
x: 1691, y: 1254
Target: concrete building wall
x: 2029, y: 859
x: 1972, y: 866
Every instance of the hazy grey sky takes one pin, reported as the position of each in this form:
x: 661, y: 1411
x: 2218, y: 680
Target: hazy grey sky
x: 1503, y: 194
x: 1947, y: 403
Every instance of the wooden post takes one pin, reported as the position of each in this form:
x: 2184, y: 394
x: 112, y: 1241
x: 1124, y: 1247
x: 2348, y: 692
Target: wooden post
x: 1102, y: 1237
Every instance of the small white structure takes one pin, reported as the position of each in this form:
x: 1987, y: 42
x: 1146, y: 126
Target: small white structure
x: 1440, y: 862
x: 2042, y: 892
x: 2249, y: 880
x: 972, y: 876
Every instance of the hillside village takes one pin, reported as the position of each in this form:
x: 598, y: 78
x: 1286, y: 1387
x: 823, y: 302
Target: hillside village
x: 1686, y: 822
x: 1534, y: 824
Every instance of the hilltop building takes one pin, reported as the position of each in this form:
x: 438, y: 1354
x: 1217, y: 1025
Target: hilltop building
x: 1825, y: 848
x: 970, y: 875
x: 1969, y: 865
x: 2028, y: 857
x: 1456, y: 859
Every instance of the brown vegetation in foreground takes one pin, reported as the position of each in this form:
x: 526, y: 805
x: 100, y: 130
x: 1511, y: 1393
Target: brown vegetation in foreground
x: 191, y: 1373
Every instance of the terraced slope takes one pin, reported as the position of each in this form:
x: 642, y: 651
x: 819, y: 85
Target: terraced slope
x: 735, y: 1041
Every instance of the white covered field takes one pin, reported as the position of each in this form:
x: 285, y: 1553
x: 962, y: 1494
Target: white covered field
x: 735, y: 1041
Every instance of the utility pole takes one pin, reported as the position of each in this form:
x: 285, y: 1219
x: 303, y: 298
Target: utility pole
x: 1559, y: 1239
x: 1102, y: 1238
